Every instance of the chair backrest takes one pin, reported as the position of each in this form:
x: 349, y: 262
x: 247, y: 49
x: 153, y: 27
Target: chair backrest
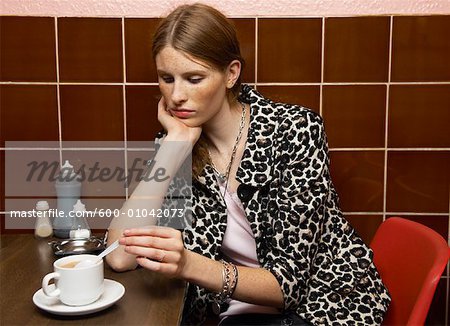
x: 410, y: 258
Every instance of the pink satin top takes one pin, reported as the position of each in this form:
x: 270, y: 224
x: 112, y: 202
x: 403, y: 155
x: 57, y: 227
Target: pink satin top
x: 239, y: 247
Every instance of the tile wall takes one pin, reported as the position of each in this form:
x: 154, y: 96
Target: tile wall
x: 382, y: 84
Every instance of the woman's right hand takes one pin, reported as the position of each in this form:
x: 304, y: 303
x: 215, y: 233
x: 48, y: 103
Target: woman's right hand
x: 174, y: 127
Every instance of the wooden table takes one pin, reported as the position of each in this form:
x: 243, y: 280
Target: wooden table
x: 149, y: 299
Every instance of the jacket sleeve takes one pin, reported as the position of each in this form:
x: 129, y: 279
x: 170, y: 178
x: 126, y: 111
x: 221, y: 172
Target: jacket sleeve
x: 303, y: 190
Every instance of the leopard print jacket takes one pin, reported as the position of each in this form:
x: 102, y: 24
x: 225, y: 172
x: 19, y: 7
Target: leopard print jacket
x: 324, y: 269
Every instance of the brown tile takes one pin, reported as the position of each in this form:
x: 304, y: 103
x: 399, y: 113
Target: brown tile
x: 28, y: 113
x: 246, y: 34
x: 142, y: 112
x: 91, y: 113
x: 140, y: 64
x: 358, y: 178
x: 356, y: 49
x: 90, y: 49
x: 24, y: 178
x: 106, y: 208
x: 418, y: 182
x: 419, y: 116
x: 351, y: 119
x: 308, y: 96
x: 104, y: 171
x: 436, y: 314
x: 27, y: 46
x: 421, y: 48
x: 289, y: 49
x: 365, y: 225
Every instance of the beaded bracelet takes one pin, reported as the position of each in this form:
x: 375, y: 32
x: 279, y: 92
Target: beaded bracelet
x: 234, y: 281
x: 228, y: 286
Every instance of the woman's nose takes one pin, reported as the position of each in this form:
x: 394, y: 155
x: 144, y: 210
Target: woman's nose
x: 178, y: 95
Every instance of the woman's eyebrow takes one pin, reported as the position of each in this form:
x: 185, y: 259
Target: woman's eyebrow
x: 190, y: 72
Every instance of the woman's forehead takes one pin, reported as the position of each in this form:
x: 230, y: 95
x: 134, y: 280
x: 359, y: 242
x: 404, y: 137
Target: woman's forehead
x: 170, y: 57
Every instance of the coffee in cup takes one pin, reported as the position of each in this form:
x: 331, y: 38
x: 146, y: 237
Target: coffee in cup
x: 75, y: 286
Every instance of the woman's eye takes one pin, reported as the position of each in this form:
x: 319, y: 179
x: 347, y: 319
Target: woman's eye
x: 195, y: 80
x: 167, y: 80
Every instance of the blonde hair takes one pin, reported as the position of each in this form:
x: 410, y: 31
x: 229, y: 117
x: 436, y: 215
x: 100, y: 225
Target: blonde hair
x: 205, y: 34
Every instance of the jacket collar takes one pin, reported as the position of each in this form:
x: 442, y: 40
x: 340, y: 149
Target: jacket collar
x: 256, y: 164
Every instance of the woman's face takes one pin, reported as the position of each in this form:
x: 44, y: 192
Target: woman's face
x: 194, y: 92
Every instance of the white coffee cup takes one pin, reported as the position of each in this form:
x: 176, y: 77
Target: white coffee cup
x: 75, y: 286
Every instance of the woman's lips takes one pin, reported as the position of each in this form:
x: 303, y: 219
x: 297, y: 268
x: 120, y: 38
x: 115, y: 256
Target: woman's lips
x: 182, y: 113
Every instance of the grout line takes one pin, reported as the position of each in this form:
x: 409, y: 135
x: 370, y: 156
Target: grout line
x: 386, y: 121
x: 322, y: 68
x: 416, y: 214
x: 398, y: 149
x: 31, y: 148
x: 351, y: 83
x: 351, y: 149
x: 362, y: 213
x: 140, y: 84
x: 124, y: 101
x: 66, y: 149
x: 418, y: 149
x: 396, y: 213
x: 421, y: 83
x: 58, y: 96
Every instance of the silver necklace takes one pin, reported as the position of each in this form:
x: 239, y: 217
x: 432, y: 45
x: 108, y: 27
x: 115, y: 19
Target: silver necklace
x: 224, y: 177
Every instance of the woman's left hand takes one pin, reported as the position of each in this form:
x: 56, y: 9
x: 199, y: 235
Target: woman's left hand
x: 157, y: 248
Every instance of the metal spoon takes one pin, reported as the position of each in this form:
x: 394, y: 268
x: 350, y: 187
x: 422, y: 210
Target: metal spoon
x: 90, y: 262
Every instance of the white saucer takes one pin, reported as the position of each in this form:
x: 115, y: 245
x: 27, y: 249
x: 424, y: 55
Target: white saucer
x: 113, y: 291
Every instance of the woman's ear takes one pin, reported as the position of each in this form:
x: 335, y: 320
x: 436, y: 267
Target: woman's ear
x: 233, y: 72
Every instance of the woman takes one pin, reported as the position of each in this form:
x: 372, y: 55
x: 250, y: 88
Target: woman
x: 268, y: 243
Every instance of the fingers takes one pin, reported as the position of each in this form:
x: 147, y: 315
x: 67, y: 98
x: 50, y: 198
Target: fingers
x: 155, y: 236
x: 163, y: 110
x: 167, y: 269
x: 169, y: 262
x: 156, y: 231
x: 158, y: 245
x: 149, y: 264
x: 157, y: 255
x: 162, y: 105
x: 164, y: 115
x: 152, y: 242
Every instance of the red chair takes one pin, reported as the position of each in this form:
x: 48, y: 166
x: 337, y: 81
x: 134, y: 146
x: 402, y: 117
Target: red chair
x: 410, y: 258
